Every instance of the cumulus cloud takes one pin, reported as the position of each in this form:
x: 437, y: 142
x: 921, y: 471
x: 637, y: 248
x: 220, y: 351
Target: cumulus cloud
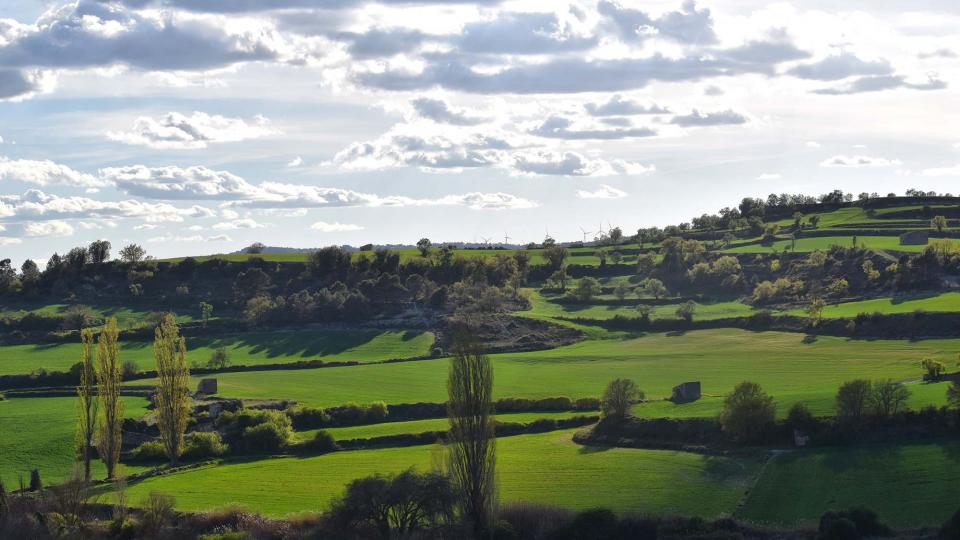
x: 175, y: 130
x: 883, y: 82
x: 841, y: 66
x: 236, y: 224
x: 9, y: 241
x: 17, y: 84
x: 48, y: 228
x: 699, y: 119
x: 326, y: 227
x: 172, y: 183
x: 439, y: 111
x: 618, y: 106
x: 559, y: 127
x: 858, y: 161
x: 812, y: 144
x: 942, y: 171
x: 242, y: 6
x: 604, y: 192
x: 46, y: 173
x: 37, y: 205
x: 689, y: 25
x: 550, y: 163
x: 521, y: 33
x: 295, y: 162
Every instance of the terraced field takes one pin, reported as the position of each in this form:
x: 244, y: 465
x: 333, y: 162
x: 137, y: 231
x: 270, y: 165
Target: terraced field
x: 254, y: 348
x: 907, y: 485
x: 944, y: 302
x: 546, y: 468
x: 543, y: 307
x: 823, y: 243
x: 126, y: 317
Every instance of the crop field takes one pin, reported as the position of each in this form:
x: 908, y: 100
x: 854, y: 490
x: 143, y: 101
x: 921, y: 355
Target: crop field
x: 38, y: 433
x: 252, y: 348
x: 545, y: 468
x: 790, y: 367
x: 907, y: 485
x: 823, y: 243
x: 433, y: 424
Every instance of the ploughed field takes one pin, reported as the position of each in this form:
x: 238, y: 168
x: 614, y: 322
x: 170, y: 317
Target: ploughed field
x: 252, y: 348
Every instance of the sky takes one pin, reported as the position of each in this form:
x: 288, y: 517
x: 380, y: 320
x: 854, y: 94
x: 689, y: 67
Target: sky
x: 200, y: 126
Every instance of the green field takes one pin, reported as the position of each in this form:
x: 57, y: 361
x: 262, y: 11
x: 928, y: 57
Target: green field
x: 907, y: 485
x: 38, y: 433
x: 126, y: 317
x: 544, y: 307
x: 253, y: 348
x: 432, y: 424
x: 546, y: 468
x: 823, y: 243
x: 790, y: 366
x: 945, y: 302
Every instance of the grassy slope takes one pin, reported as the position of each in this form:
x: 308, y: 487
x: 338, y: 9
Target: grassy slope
x: 39, y: 433
x: 126, y: 317
x: 422, y: 426
x: 546, y: 468
x: 823, y: 243
x: 940, y: 302
x: 248, y: 349
x: 907, y: 485
x: 543, y: 307
x: 788, y: 366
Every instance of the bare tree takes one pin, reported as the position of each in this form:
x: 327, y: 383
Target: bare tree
x: 109, y: 377
x: 619, y: 398
x: 173, y: 386
x: 87, y: 405
x: 471, y: 439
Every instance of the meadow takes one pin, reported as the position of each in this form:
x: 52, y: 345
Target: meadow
x: 252, y: 348
x: 823, y: 243
x: 38, y: 433
x: 127, y: 317
x: 543, y: 306
x: 544, y: 468
x: 906, y: 484
x: 944, y: 302
x: 791, y: 367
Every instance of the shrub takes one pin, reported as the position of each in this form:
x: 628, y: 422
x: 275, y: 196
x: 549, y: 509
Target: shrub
x: 587, y: 404
x: 747, y: 412
x: 157, y: 512
x: 322, y: 442
x: 541, y: 425
x: 219, y: 359
x: 129, y: 369
x: 619, y: 397
x: 586, y: 289
x: 854, y: 523
x: 686, y: 310
x: 304, y: 418
x: 150, y: 451
x: 934, y: 369
x: 202, y: 444
x: 266, y: 437
x: 800, y: 418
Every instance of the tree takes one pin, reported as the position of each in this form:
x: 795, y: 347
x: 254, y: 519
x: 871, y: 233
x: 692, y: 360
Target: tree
x: 853, y: 400
x: 687, y: 310
x: 206, y: 311
x: 76, y: 258
x: 953, y: 394
x: 587, y: 288
x: 99, y: 251
x: 619, y: 398
x: 255, y: 248
x: 747, y: 412
x: 653, y: 287
x: 644, y: 311
x: 602, y: 255
x: 814, y: 220
x: 558, y: 279
x: 172, y: 397
x: 815, y: 310
x: 615, y: 235
x: 109, y: 378
x: 132, y: 253
x: 219, y: 359
x: 797, y: 219
x: 888, y: 398
x: 934, y: 369
x: 555, y: 255
x: 621, y: 290
x: 646, y: 263
x: 423, y: 245
x: 29, y: 272
x: 939, y: 223
x: 471, y: 438
x: 87, y: 405
x: 397, y: 505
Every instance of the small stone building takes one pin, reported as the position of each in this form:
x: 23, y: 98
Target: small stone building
x: 915, y: 238
x: 207, y: 386
x: 686, y: 392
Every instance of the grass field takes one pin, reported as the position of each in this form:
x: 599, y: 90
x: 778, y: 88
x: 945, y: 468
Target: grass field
x: 544, y: 307
x: 899, y: 304
x: 38, y: 433
x: 547, y: 468
x: 823, y: 243
x: 790, y: 366
x: 126, y: 317
x: 433, y: 424
x: 907, y: 485
x: 251, y: 348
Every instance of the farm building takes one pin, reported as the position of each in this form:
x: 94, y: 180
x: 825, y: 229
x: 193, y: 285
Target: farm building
x: 686, y: 392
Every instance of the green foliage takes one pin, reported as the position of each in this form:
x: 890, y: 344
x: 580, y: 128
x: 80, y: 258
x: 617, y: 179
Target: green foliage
x: 586, y: 289
x: 687, y: 310
x: 853, y: 400
x: 933, y: 368
x: 747, y: 412
x: 220, y: 358
x: 204, y: 444
x: 619, y: 397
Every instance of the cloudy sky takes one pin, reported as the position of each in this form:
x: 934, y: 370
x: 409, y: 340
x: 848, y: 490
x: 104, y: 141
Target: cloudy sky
x: 200, y: 126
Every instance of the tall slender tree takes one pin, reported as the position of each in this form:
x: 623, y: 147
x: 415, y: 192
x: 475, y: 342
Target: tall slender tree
x: 109, y: 377
x: 87, y: 404
x: 472, y: 442
x: 173, y: 386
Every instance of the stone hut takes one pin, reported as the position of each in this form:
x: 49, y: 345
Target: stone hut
x: 915, y: 238
x: 207, y: 386
x: 686, y: 392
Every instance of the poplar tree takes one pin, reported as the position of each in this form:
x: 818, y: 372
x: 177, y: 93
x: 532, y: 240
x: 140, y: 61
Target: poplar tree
x: 172, y: 398
x: 87, y: 405
x: 109, y: 377
x: 472, y: 441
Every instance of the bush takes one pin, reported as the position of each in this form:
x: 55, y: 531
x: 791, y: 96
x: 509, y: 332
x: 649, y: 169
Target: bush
x: 304, y: 418
x: 202, y: 444
x: 150, y: 451
x: 951, y: 528
x: 266, y: 437
x: 587, y: 404
x: 219, y: 359
x: 322, y: 442
x: 747, y: 412
x: 157, y: 512
x: 129, y: 369
x: 619, y: 398
x: 854, y: 523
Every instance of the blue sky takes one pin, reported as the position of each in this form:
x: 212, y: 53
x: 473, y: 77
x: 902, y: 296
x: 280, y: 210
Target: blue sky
x: 196, y: 127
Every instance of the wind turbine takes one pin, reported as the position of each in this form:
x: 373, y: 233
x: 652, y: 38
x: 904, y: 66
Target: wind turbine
x: 486, y: 241
x: 506, y: 238
x: 585, y: 233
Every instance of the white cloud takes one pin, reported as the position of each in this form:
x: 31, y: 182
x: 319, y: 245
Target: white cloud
x: 175, y: 130
x: 323, y: 226
x: 942, y: 171
x: 35, y: 204
x: 719, y: 118
x: 188, y: 239
x: 172, y: 183
x: 9, y: 241
x: 812, y: 144
x: 439, y: 111
x: 604, y: 192
x: 858, y: 161
x: 295, y: 162
x: 48, y: 228
x: 45, y: 173
x: 549, y: 163
x: 219, y: 238
x: 237, y: 224
x: 769, y: 176
x: 145, y: 227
